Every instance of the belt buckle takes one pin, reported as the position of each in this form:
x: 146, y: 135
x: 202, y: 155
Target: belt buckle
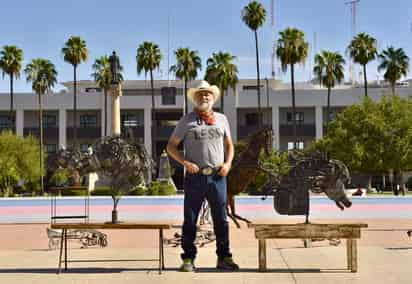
x: 207, y: 171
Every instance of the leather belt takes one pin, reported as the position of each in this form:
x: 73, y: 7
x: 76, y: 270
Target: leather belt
x: 207, y: 171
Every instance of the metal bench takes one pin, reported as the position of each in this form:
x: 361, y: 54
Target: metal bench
x: 107, y: 226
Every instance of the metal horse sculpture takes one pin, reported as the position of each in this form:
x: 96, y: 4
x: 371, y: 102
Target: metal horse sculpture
x: 247, y: 167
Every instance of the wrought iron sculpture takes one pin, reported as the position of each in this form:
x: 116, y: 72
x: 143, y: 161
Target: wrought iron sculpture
x: 310, y: 172
x: 119, y: 160
x: 247, y: 167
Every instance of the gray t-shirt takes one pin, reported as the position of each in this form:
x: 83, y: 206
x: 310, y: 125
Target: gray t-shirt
x: 203, y: 143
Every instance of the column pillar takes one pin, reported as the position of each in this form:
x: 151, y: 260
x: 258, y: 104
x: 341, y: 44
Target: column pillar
x: 148, y: 129
x: 319, y: 122
x: 116, y: 92
x: 231, y: 113
x: 19, y: 122
x: 275, y: 127
x: 62, y: 128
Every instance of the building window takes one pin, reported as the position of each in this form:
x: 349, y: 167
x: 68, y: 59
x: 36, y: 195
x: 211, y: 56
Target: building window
x: 168, y: 95
x: 93, y: 90
x: 299, y: 118
x: 4, y: 121
x: 300, y: 145
x: 88, y: 120
x: 131, y: 119
x: 251, y: 87
x: 49, y: 121
x: 50, y: 148
x: 252, y: 119
x: 167, y: 123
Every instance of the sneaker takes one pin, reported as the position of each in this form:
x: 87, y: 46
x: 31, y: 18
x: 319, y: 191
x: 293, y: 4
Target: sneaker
x: 187, y: 265
x: 227, y: 263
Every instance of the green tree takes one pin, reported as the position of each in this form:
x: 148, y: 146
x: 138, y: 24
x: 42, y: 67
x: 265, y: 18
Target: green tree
x: 18, y: 161
x: 75, y: 52
x: 356, y: 138
x: 222, y: 72
x: 395, y: 63
x: 397, y: 133
x: 11, y: 58
x: 292, y: 49
x: 43, y: 75
x: 188, y: 63
x: 363, y: 49
x: 148, y: 59
x: 254, y: 16
x: 329, y: 70
x: 103, y: 78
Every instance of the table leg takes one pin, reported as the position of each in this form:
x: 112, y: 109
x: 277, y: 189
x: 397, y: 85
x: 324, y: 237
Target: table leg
x: 160, y: 251
x: 61, y: 252
x: 65, y: 249
x: 354, y: 254
x: 262, y: 255
x: 163, y: 249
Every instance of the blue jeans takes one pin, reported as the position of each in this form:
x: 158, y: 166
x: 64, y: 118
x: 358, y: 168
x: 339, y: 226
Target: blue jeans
x: 198, y: 187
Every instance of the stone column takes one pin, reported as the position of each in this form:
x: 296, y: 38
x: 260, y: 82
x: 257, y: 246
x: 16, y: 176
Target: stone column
x: 148, y: 129
x: 275, y: 127
x: 115, y: 92
x: 19, y: 122
x: 102, y: 114
x: 231, y: 113
x: 319, y: 122
x: 62, y: 128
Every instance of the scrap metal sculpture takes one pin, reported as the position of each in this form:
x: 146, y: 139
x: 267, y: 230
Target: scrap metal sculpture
x: 247, y: 167
x: 311, y: 172
x: 119, y: 160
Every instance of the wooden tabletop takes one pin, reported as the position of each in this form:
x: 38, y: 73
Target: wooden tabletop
x: 123, y: 225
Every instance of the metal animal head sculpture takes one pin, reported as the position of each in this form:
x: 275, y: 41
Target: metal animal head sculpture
x: 315, y: 173
x: 261, y: 139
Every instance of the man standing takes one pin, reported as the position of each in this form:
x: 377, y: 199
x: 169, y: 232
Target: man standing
x: 208, y: 157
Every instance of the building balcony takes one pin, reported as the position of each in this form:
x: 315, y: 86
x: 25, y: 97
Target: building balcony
x: 246, y: 130
x: 308, y: 130
x: 48, y: 132
x: 85, y: 132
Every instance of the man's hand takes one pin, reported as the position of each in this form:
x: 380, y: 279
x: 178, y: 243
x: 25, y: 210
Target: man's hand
x: 191, y: 167
x: 224, y: 170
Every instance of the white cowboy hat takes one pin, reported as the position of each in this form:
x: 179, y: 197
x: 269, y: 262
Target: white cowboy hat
x: 203, y: 86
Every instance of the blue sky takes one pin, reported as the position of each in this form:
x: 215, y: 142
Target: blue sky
x: 41, y: 27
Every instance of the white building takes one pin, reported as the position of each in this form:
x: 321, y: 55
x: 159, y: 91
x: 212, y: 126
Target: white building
x: 240, y: 108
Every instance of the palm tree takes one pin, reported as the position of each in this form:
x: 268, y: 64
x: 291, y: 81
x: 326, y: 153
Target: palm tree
x: 11, y: 58
x: 363, y: 49
x: 222, y: 72
x: 75, y: 52
x: 254, y: 15
x: 103, y: 78
x: 395, y: 63
x: 187, y: 64
x: 329, y: 70
x: 43, y: 75
x: 291, y: 49
x: 148, y: 59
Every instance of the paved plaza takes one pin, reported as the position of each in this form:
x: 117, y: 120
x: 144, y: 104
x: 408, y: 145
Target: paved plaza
x: 385, y: 256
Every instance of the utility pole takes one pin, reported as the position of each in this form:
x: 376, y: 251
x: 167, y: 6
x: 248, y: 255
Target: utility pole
x: 353, y: 7
x: 272, y: 23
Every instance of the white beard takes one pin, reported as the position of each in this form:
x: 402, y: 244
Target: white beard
x: 204, y: 106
